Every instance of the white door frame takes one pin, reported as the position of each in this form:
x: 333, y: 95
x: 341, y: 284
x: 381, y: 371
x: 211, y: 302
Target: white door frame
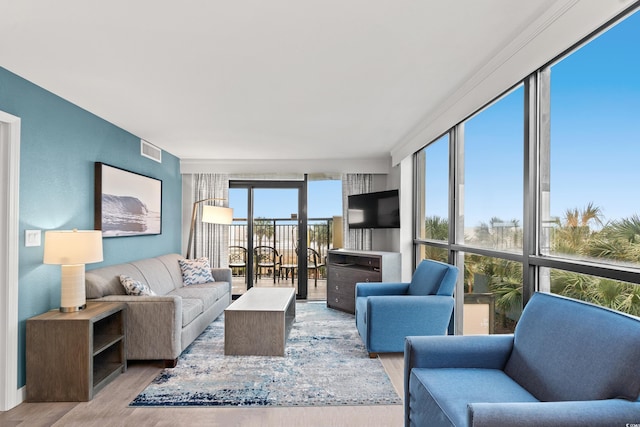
x: 10, y: 396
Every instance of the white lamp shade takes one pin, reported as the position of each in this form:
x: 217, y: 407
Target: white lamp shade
x: 217, y: 214
x: 68, y: 247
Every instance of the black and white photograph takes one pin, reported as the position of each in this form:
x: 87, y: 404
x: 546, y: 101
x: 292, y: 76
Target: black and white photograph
x: 127, y: 203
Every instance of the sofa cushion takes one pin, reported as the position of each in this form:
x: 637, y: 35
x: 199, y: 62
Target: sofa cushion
x: 440, y: 396
x: 191, y: 308
x: 135, y: 287
x: 170, y: 262
x: 586, y: 355
x: 105, y: 281
x: 195, y: 271
x: 156, y: 275
x: 209, y: 293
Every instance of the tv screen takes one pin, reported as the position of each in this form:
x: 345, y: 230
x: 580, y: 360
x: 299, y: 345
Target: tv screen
x: 374, y: 210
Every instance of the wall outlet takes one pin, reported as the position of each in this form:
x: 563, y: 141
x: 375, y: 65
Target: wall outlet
x: 32, y: 237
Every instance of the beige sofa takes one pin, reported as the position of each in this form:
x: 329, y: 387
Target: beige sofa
x: 160, y: 327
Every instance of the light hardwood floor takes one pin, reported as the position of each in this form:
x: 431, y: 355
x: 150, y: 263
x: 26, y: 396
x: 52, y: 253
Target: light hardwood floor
x: 110, y: 408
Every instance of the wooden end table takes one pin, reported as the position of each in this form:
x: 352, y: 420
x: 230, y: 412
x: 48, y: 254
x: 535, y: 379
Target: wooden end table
x: 71, y: 356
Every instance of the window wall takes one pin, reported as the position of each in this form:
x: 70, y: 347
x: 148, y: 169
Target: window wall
x: 540, y: 188
x: 493, y: 164
x: 433, y: 221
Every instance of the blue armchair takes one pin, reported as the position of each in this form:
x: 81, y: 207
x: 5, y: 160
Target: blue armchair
x: 569, y: 363
x: 388, y: 312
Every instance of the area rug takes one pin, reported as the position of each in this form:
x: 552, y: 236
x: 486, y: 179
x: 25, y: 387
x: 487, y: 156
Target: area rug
x: 325, y: 364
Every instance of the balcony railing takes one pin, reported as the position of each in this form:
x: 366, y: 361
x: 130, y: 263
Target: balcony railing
x: 282, y: 234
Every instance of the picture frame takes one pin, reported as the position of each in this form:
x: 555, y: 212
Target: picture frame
x: 126, y: 203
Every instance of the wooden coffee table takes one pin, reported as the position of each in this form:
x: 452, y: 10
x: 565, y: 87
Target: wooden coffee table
x: 258, y: 323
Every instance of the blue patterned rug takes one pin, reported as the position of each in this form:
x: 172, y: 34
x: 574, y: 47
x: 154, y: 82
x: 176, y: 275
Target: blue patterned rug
x: 325, y: 363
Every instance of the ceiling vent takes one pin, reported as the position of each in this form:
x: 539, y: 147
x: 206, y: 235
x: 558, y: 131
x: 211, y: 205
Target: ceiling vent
x: 150, y: 151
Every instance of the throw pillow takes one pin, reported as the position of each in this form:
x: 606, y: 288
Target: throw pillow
x: 195, y: 271
x: 135, y: 287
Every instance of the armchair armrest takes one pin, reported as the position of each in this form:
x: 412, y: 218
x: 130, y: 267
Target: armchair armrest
x: 454, y: 351
x: 154, y: 325
x: 613, y: 412
x: 409, y: 314
x: 481, y: 351
x: 365, y: 289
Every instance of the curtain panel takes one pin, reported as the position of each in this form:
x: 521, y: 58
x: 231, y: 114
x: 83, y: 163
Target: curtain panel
x: 355, y: 183
x: 211, y: 240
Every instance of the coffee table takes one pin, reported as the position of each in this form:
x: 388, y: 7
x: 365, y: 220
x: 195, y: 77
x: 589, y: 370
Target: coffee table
x: 258, y: 323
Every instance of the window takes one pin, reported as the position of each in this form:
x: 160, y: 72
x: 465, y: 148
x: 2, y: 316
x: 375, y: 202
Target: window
x: 615, y: 294
x: 493, y: 167
x: 496, y: 285
x: 434, y: 253
x: 434, y: 197
x: 581, y: 234
x: 594, y: 151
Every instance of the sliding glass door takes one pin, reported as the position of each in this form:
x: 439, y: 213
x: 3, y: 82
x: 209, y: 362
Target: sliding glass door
x: 269, y: 231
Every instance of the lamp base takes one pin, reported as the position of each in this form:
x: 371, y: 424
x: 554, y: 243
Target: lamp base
x: 72, y: 292
x: 72, y: 309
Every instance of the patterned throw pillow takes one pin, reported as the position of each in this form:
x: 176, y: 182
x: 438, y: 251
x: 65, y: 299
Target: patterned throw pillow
x: 195, y: 271
x: 135, y: 287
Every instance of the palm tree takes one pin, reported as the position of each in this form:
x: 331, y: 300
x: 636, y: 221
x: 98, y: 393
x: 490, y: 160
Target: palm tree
x: 319, y: 233
x: 263, y: 229
x: 436, y: 228
x: 505, y: 282
x: 617, y: 241
x: 571, y: 235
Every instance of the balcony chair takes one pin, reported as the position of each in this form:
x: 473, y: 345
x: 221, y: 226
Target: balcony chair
x: 266, y: 257
x: 388, y: 312
x: 238, y: 259
x: 315, y: 262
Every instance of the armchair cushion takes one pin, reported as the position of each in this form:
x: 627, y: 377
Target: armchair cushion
x: 445, y: 393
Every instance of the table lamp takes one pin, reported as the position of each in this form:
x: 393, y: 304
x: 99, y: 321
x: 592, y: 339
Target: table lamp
x: 72, y: 249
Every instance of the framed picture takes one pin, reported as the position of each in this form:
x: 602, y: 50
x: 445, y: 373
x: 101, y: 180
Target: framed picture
x: 126, y: 203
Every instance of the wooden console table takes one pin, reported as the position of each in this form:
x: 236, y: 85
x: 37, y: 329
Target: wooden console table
x: 71, y: 356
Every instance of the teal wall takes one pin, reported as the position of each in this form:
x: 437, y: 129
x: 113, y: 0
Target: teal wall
x: 59, y: 144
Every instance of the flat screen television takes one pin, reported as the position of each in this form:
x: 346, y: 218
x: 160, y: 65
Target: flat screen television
x: 374, y: 210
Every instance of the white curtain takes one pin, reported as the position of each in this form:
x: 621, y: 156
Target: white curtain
x: 211, y: 240
x: 355, y: 183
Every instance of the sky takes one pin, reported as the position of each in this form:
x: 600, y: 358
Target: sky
x: 595, y: 139
x: 595, y: 145
x: 324, y: 201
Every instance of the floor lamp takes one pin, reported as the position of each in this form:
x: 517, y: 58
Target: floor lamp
x: 210, y: 214
x: 72, y: 249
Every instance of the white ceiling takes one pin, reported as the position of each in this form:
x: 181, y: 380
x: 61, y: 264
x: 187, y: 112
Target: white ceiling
x: 282, y: 79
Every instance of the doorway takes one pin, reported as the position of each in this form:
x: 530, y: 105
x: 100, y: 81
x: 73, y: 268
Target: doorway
x: 268, y: 233
x: 9, y: 238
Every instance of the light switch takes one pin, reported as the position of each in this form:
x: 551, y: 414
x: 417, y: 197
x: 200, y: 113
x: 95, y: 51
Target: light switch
x: 32, y: 237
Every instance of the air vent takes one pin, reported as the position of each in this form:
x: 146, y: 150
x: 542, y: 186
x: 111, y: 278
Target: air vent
x: 150, y: 151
